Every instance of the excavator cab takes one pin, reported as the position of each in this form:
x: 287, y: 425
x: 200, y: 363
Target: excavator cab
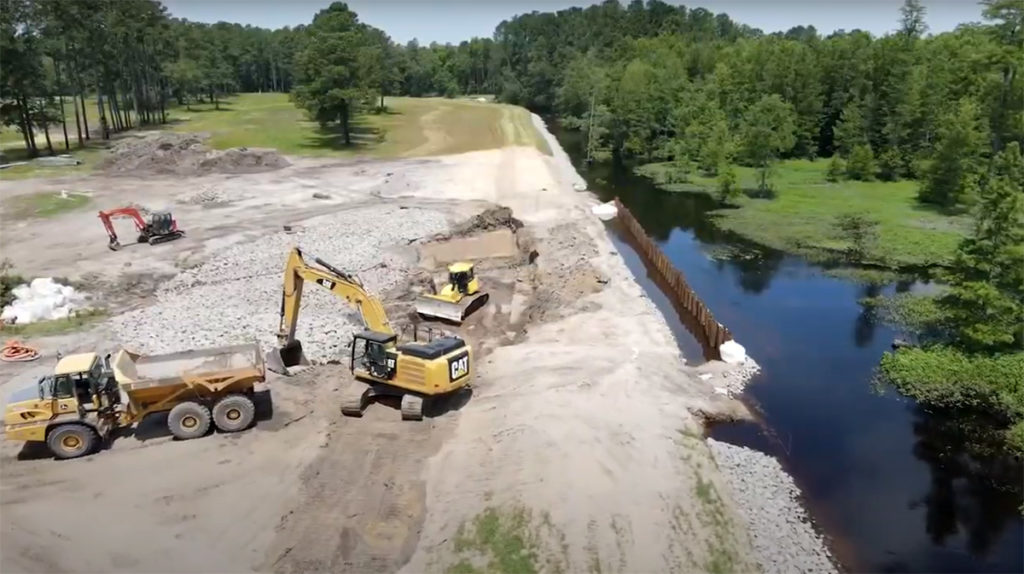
x: 373, y: 352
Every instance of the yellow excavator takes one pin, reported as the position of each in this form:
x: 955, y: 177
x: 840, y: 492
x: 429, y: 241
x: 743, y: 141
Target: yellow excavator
x: 416, y: 371
x: 458, y: 299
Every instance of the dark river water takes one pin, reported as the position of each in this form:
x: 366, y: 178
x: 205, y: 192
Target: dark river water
x: 894, y: 487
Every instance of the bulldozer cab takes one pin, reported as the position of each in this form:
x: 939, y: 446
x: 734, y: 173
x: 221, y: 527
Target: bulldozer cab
x: 374, y: 353
x: 461, y: 277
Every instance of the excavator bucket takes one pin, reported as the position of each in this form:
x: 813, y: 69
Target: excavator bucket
x: 290, y: 355
x: 435, y: 306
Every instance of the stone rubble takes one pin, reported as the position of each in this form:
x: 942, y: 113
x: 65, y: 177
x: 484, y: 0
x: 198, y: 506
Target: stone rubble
x: 784, y: 540
x: 235, y: 296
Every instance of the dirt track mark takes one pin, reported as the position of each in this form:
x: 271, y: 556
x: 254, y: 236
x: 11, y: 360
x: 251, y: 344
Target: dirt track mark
x: 362, y: 501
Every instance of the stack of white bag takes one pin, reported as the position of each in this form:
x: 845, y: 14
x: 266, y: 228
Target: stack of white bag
x: 42, y: 300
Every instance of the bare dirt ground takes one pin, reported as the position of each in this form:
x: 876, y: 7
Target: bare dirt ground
x: 578, y: 441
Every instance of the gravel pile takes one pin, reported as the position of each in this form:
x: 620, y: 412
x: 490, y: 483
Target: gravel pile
x: 186, y: 154
x: 235, y: 297
x: 211, y: 195
x: 783, y: 538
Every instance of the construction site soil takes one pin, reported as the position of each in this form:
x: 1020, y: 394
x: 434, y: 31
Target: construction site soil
x: 582, y: 425
x: 184, y: 154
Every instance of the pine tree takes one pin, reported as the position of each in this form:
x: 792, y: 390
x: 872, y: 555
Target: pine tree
x: 958, y: 164
x: 985, y: 303
x: 851, y: 130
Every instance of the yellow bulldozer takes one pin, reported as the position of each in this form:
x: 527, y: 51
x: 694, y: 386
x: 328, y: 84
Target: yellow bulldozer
x: 415, y: 371
x: 458, y: 299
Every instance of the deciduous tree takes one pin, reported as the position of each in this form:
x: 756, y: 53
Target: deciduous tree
x: 768, y: 132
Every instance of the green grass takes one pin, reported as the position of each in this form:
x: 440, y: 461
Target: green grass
x: 409, y: 127
x: 920, y: 314
x: 503, y: 538
x: 44, y: 204
x: 801, y: 217
x: 90, y: 155
x: 722, y: 556
x: 867, y: 275
x: 80, y: 320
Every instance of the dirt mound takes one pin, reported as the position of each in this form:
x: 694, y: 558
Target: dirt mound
x: 493, y: 218
x: 186, y: 154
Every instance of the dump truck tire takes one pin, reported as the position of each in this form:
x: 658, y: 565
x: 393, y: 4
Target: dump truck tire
x: 189, y: 420
x: 71, y: 441
x: 234, y: 413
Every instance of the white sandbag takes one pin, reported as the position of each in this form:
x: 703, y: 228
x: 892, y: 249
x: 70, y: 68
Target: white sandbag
x: 732, y: 352
x: 605, y: 211
x: 41, y: 300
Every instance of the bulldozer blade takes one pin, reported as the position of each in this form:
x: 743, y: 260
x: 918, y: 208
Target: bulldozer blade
x: 436, y: 307
x: 290, y: 355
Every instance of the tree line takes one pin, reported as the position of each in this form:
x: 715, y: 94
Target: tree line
x: 135, y: 59
x: 659, y: 82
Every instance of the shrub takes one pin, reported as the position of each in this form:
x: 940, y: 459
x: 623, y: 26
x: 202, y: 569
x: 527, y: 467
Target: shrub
x: 728, y: 189
x: 860, y: 233
x: 946, y: 377
x: 861, y: 165
x: 8, y: 281
x: 835, y: 169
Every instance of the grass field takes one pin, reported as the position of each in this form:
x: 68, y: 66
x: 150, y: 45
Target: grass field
x: 801, y: 218
x: 45, y: 204
x: 410, y: 127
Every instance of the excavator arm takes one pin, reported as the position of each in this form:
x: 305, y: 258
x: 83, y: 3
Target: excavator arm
x: 106, y: 216
x: 344, y: 285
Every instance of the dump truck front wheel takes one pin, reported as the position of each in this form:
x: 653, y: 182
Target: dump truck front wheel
x: 234, y: 413
x: 71, y: 441
x: 189, y: 420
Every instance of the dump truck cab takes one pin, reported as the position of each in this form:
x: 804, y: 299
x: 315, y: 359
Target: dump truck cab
x: 69, y: 409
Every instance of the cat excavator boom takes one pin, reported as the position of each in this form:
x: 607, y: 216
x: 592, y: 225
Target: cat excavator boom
x: 414, y: 371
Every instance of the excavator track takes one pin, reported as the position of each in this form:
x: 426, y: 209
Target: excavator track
x: 355, y: 399
x: 165, y: 238
x: 412, y: 407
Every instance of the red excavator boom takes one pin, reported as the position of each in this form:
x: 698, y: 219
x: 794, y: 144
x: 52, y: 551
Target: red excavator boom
x: 160, y: 228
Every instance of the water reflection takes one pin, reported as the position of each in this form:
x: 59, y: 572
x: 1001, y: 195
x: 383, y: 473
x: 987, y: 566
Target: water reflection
x: 864, y: 325
x: 899, y: 488
x: 975, y: 486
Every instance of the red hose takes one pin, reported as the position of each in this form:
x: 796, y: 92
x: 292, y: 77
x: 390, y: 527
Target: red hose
x: 16, y: 352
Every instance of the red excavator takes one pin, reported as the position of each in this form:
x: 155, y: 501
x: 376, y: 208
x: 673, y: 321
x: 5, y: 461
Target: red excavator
x: 161, y: 226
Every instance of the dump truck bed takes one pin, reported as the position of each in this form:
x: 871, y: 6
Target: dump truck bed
x: 134, y: 371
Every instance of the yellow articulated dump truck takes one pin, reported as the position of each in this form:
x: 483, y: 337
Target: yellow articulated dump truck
x: 77, y: 407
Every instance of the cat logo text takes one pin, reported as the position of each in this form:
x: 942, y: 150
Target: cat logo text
x: 458, y: 367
